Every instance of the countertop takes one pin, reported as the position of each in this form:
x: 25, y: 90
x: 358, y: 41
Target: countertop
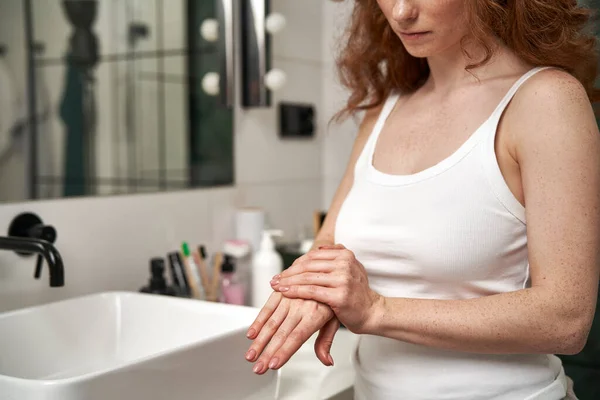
x: 305, y: 378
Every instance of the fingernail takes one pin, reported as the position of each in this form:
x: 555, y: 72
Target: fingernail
x: 275, y: 282
x: 273, y: 363
x: 330, y: 359
x: 251, y: 333
x: 277, y: 277
x: 284, y: 289
x: 258, y: 367
x: 250, y: 354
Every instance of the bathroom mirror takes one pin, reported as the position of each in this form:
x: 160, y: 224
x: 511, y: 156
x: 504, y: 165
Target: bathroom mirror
x: 120, y: 94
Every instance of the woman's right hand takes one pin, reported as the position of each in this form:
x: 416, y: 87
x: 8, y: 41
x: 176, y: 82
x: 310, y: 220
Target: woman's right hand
x: 278, y: 332
x: 283, y: 325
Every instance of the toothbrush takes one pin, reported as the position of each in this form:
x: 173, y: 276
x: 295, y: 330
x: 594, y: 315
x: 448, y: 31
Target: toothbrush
x: 192, y: 269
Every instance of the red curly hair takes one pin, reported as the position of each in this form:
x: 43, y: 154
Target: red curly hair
x: 540, y: 32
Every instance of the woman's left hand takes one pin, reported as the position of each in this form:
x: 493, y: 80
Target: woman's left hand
x: 332, y: 275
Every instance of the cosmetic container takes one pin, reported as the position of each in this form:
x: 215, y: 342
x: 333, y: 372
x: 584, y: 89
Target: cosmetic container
x: 232, y: 290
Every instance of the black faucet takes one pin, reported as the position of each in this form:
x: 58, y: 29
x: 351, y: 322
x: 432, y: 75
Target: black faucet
x: 43, y: 249
x: 27, y: 235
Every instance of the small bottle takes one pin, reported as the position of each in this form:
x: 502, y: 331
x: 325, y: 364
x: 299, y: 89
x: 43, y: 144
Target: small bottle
x: 158, y: 283
x: 232, y: 291
x: 266, y: 263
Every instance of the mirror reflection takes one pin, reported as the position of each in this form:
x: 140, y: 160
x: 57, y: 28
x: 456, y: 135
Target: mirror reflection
x: 108, y: 99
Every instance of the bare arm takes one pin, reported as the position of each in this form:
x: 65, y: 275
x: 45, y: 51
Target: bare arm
x: 557, y: 146
x: 326, y: 233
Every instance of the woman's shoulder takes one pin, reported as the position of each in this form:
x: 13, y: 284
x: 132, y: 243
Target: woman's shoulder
x: 371, y: 115
x: 552, y: 105
x: 552, y: 96
x: 550, y: 88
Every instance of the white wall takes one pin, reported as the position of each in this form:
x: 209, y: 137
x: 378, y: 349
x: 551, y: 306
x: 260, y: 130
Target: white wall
x: 107, y: 241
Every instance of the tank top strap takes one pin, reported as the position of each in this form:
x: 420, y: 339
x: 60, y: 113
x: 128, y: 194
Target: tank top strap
x: 495, y: 117
x: 369, y: 147
x: 388, y: 106
x: 488, y: 152
x: 385, y: 112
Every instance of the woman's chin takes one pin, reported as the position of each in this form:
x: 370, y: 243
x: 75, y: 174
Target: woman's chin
x: 419, y: 51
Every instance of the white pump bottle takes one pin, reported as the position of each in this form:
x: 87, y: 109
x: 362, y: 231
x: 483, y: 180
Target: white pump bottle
x: 266, y: 263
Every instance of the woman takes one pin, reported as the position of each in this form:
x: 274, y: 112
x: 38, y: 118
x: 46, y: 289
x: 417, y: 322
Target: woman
x: 462, y: 243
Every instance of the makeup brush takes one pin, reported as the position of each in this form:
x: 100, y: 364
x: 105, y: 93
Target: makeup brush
x: 216, y: 274
x: 199, y: 256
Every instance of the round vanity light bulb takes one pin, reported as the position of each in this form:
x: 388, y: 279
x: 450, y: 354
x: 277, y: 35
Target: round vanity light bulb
x: 275, y: 22
x: 210, y: 83
x: 275, y: 79
x: 209, y: 30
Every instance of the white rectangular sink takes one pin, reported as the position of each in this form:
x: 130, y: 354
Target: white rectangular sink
x: 129, y: 346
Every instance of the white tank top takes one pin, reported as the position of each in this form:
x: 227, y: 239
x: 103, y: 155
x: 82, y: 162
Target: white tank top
x: 451, y: 231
